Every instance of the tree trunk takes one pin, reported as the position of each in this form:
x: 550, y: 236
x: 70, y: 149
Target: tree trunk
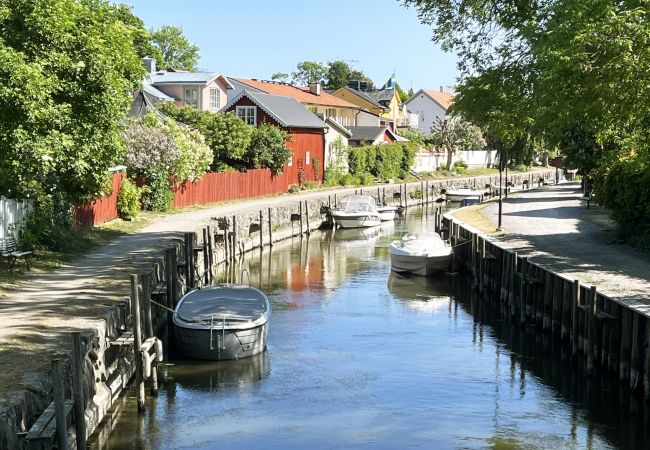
x: 450, y: 156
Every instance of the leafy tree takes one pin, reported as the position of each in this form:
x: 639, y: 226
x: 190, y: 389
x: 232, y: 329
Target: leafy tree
x: 67, y: 73
x: 280, y: 76
x: 357, y: 75
x: 177, y: 51
x: 338, y: 74
x: 268, y: 148
x: 308, y: 72
x: 414, y: 136
x: 227, y: 135
x: 141, y: 35
x: 453, y: 133
x: 410, y: 93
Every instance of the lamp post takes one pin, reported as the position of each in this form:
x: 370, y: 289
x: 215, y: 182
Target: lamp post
x: 506, y: 164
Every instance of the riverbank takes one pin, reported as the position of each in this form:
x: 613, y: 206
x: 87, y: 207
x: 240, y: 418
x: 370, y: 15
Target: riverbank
x: 89, y: 293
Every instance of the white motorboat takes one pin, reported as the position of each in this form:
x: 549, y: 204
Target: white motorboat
x: 387, y: 213
x: 226, y: 321
x: 356, y: 211
x: 423, y: 254
x: 458, y: 195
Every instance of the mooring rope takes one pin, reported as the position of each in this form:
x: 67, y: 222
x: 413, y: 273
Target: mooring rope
x: 162, y: 306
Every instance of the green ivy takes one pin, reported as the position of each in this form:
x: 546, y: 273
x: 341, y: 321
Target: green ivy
x: 128, y: 200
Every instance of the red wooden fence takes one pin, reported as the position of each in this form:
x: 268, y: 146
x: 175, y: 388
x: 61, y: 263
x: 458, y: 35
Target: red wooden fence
x: 213, y: 187
x: 103, y: 209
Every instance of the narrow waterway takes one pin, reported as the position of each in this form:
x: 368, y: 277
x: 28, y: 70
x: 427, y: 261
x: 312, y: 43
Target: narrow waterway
x: 358, y: 357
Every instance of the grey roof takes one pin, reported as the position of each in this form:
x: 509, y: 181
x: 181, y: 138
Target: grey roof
x: 287, y: 111
x: 141, y: 105
x: 383, y: 95
x: 243, y: 86
x: 368, y: 134
x: 183, y: 77
x: 366, y: 97
x: 152, y: 91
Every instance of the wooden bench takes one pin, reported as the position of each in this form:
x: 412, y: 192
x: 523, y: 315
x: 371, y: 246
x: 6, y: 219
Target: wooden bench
x: 9, y: 251
x: 589, y: 197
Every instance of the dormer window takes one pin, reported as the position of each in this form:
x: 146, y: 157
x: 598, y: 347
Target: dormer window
x: 248, y: 114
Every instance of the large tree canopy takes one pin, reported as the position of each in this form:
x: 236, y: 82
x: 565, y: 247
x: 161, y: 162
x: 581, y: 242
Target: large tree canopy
x: 68, y: 70
x: 176, y: 50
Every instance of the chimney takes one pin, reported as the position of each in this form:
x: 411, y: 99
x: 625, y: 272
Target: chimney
x: 442, y: 88
x: 149, y: 64
x: 315, y: 88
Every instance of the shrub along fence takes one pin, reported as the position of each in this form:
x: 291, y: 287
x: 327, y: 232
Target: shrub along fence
x: 213, y: 187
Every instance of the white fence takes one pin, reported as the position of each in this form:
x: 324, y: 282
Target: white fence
x: 12, y: 213
x: 429, y: 162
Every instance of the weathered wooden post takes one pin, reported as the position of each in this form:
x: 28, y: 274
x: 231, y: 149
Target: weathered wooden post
x: 575, y: 317
x: 211, y: 250
x: 189, y: 260
x: 169, y: 285
x: 262, y: 229
x: 271, y: 230
x: 406, y: 199
x: 522, y: 291
x: 307, y: 217
x: 59, y: 404
x: 637, y: 346
x: 206, y: 258
x: 427, y: 192
x: 235, y: 239
x: 383, y: 194
x: 591, y: 330
x: 421, y: 192
x: 78, y: 390
x: 511, y: 286
x: 137, y: 341
x: 626, y: 344
x: 148, y: 322
x: 300, y: 215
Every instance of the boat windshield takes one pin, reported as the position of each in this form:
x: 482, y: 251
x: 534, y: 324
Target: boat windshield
x: 358, y: 203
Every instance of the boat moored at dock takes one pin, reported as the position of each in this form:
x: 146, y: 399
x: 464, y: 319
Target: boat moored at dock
x: 423, y: 254
x: 356, y: 211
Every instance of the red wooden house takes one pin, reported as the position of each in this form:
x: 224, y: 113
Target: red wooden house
x: 306, y: 130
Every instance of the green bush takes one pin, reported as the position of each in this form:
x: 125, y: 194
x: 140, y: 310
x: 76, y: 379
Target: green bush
x: 459, y: 166
x: 382, y: 161
x: 417, y: 193
x: 365, y: 179
x: 348, y: 180
x: 128, y: 200
x: 158, y: 195
x: 49, y: 225
x: 293, y: 189
x: 268, y: 148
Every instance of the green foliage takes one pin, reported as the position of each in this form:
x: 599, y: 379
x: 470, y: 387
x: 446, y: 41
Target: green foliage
x: 308, y: 72
x: 460, y: 166
x: 158, y: 195
x: 280, y: 76
x: 358, y: 75
x: 128, y: 200
x: 68, y: 70
x: 382, y: 161
x: 176, y: 50
x: 416, y: 194
x: 403, y: 96
x: 268, y: 148
x: 338, y: 74
x: 49, y: 225
x: 227, y: 135
x: 453, y: 133
x: 623, y: 185
x: 141, y: 36
x: 414, y: 136
x: 293, y: 189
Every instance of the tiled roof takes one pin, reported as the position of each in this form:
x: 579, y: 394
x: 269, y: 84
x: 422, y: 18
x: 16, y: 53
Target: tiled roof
x: 444, y: 99
x: 285, y: 110
x: 301, y: 94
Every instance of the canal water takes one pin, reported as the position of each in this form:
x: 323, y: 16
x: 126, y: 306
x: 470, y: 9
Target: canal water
x: 358, y: 357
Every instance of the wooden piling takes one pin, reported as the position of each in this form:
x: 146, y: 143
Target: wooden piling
x: 59, y: 404
x: 148, y: 322
x: 211, y: 251
x: 300, y: 214
x: 626, y: 345
x: 636, y: 362
x: 575, y: 317
x: 235, y: 239
x: 564, y: 290
x: 189, y: 260
x: 262, y: 227
x: 307, y: 217
x: 169, y: 285
x: 511, y: 286
x: 522, y: 293
x: 206, y: 259
x: 591, y: 330
x: 78, y: 358
x: 137, y: 341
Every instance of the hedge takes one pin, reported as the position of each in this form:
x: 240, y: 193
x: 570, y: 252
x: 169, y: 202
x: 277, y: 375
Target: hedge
x: 382, y: 161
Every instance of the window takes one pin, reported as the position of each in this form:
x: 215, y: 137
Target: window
x: 290, y: 163
x: 330, y: 112
x: 307, y: 158
x: 192, y: 97
x: 247, y: 113
x: 215, y: 99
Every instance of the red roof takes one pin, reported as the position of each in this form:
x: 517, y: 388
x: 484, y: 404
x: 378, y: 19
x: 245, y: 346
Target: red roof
x: 302, y: 94
x: 443, y: 98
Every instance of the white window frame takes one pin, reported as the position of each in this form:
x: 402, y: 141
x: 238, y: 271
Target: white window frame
x: 198, y: 100
x: 215, y: 99
x: 307, y: 158
x: 330, y: 110
x: 245, y: 116
x: 290, y: 163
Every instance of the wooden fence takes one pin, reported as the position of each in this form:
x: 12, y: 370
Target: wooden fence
x: 212, y: 188
x: 12, y: 213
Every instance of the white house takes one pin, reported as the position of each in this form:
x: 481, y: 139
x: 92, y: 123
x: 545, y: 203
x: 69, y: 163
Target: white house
x: 428, y: 105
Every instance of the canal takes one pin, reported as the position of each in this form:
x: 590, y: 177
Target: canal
x: 358, y: 357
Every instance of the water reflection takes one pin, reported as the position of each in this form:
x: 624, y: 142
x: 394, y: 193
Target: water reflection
x: 365, y: 358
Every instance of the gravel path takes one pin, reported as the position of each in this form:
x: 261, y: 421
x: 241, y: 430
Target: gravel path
x: 552, y: 227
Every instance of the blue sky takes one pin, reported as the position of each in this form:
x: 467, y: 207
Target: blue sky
x: 256, y: 38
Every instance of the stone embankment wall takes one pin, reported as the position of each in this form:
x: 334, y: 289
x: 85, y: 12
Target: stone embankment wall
x: 109, y: 367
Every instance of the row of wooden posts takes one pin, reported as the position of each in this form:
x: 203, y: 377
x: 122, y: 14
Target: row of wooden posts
x: 605, y: 335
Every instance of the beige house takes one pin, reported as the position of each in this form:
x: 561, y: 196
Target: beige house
x: 207, y: 91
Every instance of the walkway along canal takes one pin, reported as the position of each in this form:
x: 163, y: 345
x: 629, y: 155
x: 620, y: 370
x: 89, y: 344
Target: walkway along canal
x: 358, y: 357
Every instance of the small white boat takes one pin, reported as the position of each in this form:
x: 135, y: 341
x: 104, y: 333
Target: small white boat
x: 458, y: 195
x: 356, y: 211
x: 387, y: 213
x: 226, y: 321
x: 423, y: 254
